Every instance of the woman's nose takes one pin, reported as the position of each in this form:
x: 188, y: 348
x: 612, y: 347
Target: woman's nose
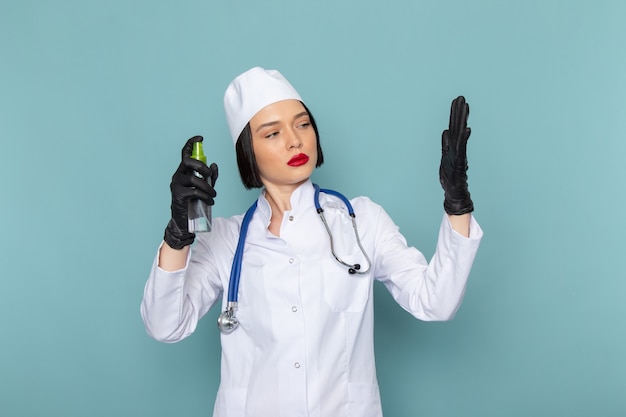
x: 293, y: 140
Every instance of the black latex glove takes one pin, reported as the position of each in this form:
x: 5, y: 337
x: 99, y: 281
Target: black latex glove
x: 187, y: 186
x: 453, y: 168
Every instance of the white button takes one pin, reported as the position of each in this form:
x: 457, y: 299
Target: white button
x: 296, y: 365
x: 291, y: 260
x: 290, y: 218
x: 294, y: 309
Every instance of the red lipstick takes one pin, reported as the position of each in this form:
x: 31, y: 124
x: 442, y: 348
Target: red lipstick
x: 298, y: 160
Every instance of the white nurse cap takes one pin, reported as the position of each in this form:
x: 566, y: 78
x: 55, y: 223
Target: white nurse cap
x: 250, y: 92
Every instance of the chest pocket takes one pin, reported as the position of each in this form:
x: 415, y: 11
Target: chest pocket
x: 345, y: 292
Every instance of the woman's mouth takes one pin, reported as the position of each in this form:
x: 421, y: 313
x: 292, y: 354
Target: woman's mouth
x: 298, y: 160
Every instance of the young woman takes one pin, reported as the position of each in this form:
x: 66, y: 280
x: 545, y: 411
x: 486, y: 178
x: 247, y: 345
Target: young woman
x: 297, y: 335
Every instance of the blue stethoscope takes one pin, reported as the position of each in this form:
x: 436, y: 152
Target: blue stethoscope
x: 227, y: 322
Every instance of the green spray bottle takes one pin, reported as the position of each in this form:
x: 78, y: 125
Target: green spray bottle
x: 199, y: 212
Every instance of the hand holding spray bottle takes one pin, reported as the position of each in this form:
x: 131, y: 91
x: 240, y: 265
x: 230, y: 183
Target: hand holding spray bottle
x: 199, y: 212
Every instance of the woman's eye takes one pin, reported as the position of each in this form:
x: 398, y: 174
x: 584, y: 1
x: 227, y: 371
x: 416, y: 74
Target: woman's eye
x: 304, y: 125
x: 271, y: 135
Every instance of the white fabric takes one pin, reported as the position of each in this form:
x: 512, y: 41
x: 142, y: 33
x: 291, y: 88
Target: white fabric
x: 305, y: 343
x: 250, y: 92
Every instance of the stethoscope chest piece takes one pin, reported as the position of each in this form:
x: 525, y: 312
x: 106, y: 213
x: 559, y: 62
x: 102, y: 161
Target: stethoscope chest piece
x: 227, y: 322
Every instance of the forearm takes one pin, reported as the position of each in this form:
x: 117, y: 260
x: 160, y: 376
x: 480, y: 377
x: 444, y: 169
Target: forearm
x: 172, y: 259
x: 162, y: 305
x: 174, y: 300
x: 449, y: 269
x: 461, y: 223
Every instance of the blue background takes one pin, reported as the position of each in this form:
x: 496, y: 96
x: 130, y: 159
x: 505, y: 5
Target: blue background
x: 97, y: 98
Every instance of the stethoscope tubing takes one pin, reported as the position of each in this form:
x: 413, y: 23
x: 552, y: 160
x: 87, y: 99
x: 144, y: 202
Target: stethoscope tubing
x: 235, y: 271
x: 316, y: 199
x: 352, y: 269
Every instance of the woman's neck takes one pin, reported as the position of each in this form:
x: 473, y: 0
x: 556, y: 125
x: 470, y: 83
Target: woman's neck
x: 279, y: 199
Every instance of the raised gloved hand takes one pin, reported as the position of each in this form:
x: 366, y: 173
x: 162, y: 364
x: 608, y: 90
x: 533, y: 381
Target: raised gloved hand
x: 185, y: 186
x: 453, y: 168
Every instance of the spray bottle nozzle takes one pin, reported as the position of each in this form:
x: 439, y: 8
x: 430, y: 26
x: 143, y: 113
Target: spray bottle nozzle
x: 198, y: 152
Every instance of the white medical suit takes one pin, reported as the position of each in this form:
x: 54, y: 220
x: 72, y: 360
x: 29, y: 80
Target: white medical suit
x: 304, y: 346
